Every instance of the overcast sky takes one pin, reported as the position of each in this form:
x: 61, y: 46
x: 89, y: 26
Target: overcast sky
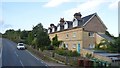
x: 24, y: 15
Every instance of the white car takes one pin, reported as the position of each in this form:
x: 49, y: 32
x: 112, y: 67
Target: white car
x: 20, y: 46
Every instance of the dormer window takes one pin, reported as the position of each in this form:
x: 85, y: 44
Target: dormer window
x: 50, y: 30
x: 75, y: 22
x: 66, y: 25
x: 61, y: 27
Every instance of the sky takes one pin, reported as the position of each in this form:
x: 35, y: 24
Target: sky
x: 24, y: 14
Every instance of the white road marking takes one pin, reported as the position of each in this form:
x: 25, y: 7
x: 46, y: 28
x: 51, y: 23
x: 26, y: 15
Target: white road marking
x: 16, y: 53
x: 21, y: 63
x: 32, y: 55
x: 20, y: 60
x: 37, y: 58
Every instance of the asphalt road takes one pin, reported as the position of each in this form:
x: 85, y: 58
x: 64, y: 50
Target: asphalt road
x: 0, y: 52
x: 12, y: 57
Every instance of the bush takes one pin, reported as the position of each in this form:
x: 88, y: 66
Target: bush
x: 89, y: 55
x: 67, y: 53
x: 75, y: 53
x: 50, y: 47
x: 60, y: 52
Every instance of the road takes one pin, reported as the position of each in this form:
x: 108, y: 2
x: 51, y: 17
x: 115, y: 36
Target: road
x: 13, y: 57
x: 0, y: 52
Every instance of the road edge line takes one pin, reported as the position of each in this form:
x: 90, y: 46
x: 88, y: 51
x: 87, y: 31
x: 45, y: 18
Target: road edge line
x: 38, y: 58
x: 32, y: 55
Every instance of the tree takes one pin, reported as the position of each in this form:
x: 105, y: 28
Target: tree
x: 116, y: 45
x: 41, y: 35
x: 37, y: 37
x: 55, y: 41
x: 34, y: 43
x: 103, y: 44
x: 112, y: 46
x: 30, y: 38
x: 12, y: 35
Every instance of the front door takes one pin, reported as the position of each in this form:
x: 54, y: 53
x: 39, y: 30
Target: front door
x: 78, y: 48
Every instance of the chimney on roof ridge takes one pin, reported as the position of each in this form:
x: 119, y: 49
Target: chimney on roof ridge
x: 62, y: 20
x: 77, y: 15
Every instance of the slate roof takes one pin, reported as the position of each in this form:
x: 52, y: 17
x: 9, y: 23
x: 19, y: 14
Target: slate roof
x: 105, y: 36
x: 86, y: 18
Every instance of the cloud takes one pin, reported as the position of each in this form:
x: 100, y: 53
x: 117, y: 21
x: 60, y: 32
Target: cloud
x: 85, y: 7
x: 24, y: 0
x: 114, y: 4
x: 54, y: 3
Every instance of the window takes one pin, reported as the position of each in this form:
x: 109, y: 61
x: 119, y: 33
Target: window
x: 74, y: 34
x: 66, y: 46
x: 75, y: 22
x: 74, y: 46
x: 91, y: 34
x: 91, y: 45
x: 67, y: 35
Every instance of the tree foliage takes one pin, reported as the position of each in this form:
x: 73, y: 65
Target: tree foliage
x: 41, y: 35
x: 112, y: 46
x: 30, y: 38
x: 12, y: 35
x: 55, y: 41
x: 38, y: 37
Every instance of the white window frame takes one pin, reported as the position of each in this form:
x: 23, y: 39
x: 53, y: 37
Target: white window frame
x: 74, y: 46
x: 91, y: 46
x: 75, y: 23
x: 66, y: 46
x: 91, y: 34
x: 74, y: 34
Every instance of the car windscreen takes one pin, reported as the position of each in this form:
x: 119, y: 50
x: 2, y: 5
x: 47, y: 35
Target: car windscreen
x: 20, y: 44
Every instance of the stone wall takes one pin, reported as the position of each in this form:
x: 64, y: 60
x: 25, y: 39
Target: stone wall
x: 104, y: 58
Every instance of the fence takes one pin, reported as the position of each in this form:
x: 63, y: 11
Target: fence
x: 73, y: 61
x: 104, y: 58
x: 49, y: 53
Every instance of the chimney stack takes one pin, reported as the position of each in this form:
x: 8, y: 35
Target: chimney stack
x: 78, y: 15
x: 62, y: 23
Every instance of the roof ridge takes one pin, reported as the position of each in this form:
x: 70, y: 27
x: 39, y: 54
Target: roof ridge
x: 90, y: 14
